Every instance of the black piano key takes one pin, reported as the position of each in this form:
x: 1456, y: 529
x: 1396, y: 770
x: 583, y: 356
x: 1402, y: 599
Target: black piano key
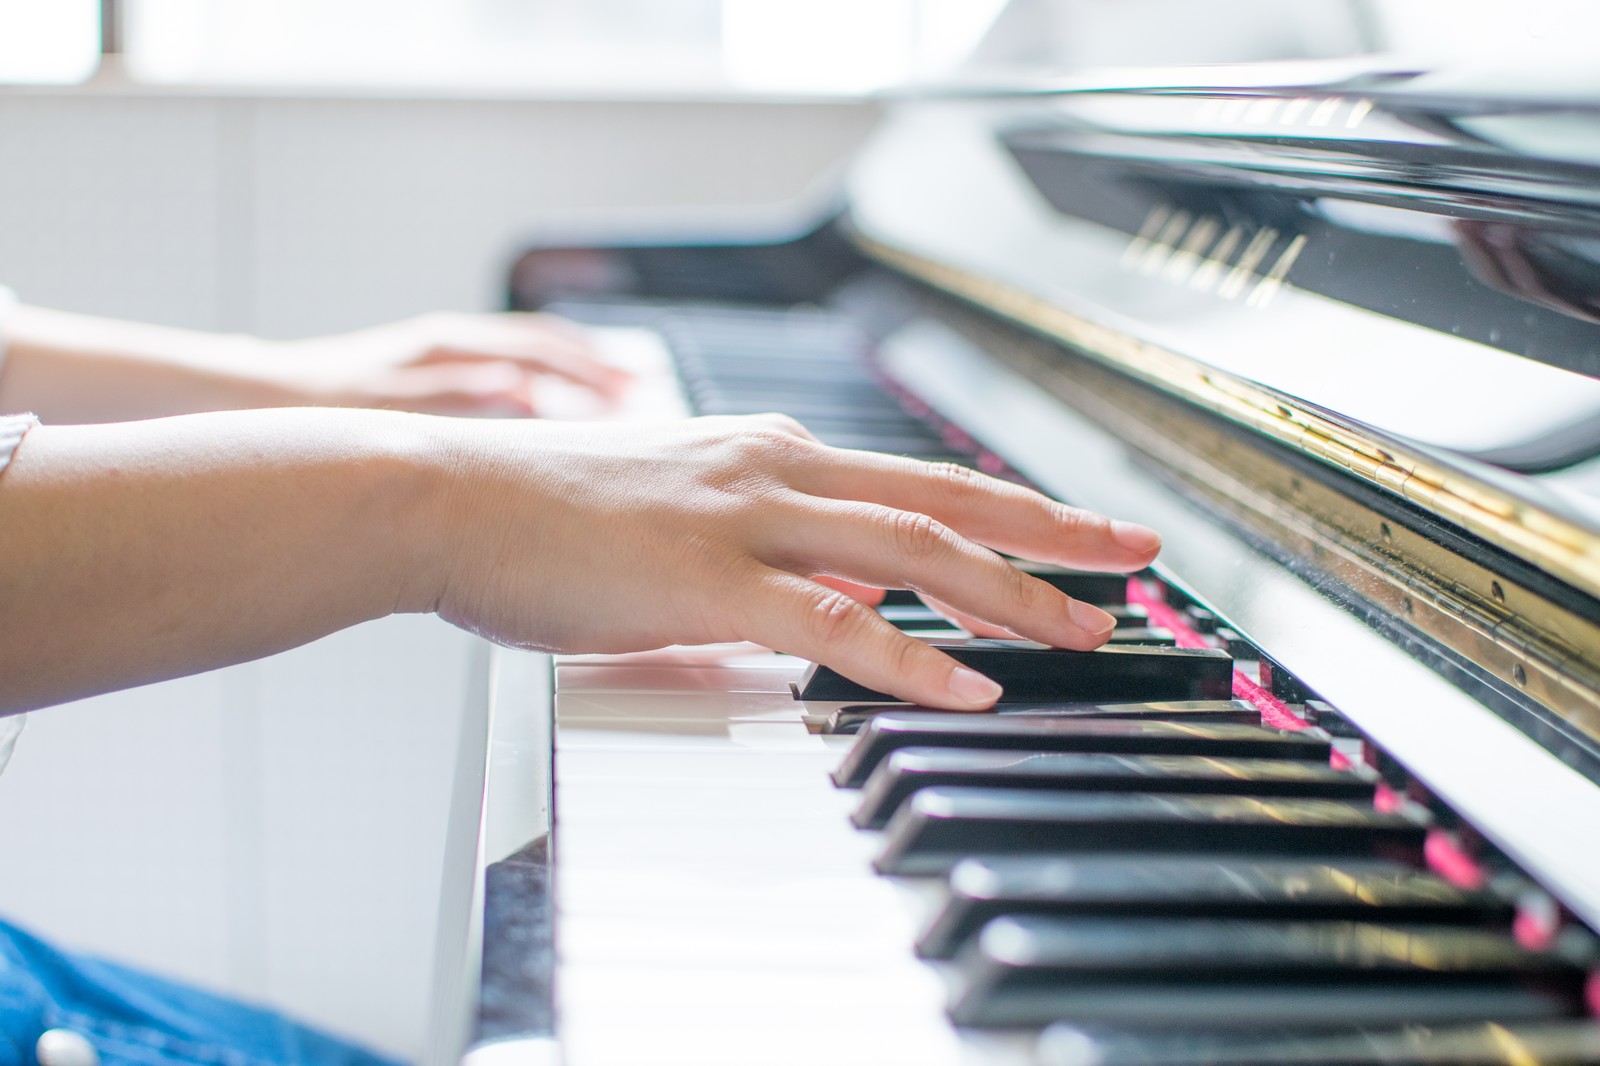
x: 909, y: 770
x: 1088, y: 585
x: 919, y: 615
x: 1252, y: 1007
x: 1554, y: 1043
x: 914, y: 616
x: 1106, y: 591
x: 1036, y: 970
x: 942, y: 825
x: 1237, y: 646
x: 851, y: 719
x: 981, y: 890
x: 894, y: 730
x: 1148, y: 636
x: 1034, y: 673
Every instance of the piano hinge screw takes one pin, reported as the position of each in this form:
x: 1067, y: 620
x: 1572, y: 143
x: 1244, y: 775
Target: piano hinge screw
x: 1497, y: 592
x: 1386, y: 532
x: 1519, y: 675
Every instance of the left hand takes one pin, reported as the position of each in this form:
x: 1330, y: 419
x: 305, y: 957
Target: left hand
x: 452, y: 364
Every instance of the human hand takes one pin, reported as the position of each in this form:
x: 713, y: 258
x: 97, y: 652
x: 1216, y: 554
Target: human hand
x: 450, y: 363
x: 591, y: 538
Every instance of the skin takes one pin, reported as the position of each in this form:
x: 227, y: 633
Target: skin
x: 77, y: 368
x: 150, y: 549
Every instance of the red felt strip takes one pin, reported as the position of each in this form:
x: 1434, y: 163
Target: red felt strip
x: 1443, y: 854
x: 1446, y: 859
x: 1533, y: 930
x: 1274, y: 712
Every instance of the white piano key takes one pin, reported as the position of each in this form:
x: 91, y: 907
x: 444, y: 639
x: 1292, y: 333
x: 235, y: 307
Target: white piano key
x: 663, y: 678
x: 755, y: 900
x: 713, y: 900
x: 600, y: 940
x: 741, y: 654
x: 734, y: 737
x: 731, y: 1041
x: 582, y: 706
x: 723, y: 765
x: 589, y: 802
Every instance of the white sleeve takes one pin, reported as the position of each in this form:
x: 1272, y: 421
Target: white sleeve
x: 12, y: 427
x: 8, y: 300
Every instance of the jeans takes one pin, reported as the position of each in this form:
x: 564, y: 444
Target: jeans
x: 134, y: 1019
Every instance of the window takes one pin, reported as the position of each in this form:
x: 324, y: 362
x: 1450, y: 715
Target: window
x: 828, y: 46
x: 54, y: 42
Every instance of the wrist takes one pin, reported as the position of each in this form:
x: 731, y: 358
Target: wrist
x: 434, y: 473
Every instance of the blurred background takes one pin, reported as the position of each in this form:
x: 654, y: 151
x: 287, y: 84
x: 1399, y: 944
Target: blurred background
x: 289, y: 167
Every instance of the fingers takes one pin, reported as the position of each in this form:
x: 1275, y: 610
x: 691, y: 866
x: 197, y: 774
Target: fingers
x: 533, y: 342
x: 828, y: 626
x: 976, y: 626
x: 867, y: 594
x: 482, y: 389
x: 884, y: 547
x: 996, y: 513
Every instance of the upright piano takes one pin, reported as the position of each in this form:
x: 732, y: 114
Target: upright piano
x: 1334, y: 797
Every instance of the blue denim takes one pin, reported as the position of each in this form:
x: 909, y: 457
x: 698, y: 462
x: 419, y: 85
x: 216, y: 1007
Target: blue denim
x: 134, y: 1019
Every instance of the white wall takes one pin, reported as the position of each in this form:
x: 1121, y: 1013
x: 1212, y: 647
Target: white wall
x: 276, y: 829
x: 297, y: 215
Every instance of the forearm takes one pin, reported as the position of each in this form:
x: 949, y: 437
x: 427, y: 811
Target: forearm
x: 142, y: 551
x: 70, y: 368
x: 146, y: 550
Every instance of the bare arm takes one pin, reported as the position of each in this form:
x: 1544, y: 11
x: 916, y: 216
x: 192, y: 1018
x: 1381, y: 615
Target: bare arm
x: 80, y: 368
x: 135, y: 552
x: 146, y: 550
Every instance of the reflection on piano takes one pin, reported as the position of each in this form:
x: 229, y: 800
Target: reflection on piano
x: 1337, y: 799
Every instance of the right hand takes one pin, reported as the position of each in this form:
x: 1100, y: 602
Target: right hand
x: 604, y: 538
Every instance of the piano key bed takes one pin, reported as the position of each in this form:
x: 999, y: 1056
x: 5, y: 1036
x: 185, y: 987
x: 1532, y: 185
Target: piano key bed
x: 1156, y: 856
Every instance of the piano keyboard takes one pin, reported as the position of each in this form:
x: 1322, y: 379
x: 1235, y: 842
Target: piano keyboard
x: 1140, y: 871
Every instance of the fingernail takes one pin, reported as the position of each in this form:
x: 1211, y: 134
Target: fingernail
x: 1135, y: 538
x: 1091, y: 618
x: 973, y: 688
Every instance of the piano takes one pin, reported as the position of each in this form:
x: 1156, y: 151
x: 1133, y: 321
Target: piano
x: 1335, y: 330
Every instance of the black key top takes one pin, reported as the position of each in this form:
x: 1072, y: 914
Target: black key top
x: 1126, y: 614
x: 920, y: 616
x: 914, y: 616
x: 1149, y: 636
x: 940, y: 826
x: 1184, y: 887
x: 1106, y: 591
x: 1253, y: 1007
x: 1032, y: 970
x: 909, y: 770
x: 1033, y: 673
x: 1555, y: 1043
x: 894, y: 730
x: 851, y: 719
x: 1090, y: 586
x: 906, y: 607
